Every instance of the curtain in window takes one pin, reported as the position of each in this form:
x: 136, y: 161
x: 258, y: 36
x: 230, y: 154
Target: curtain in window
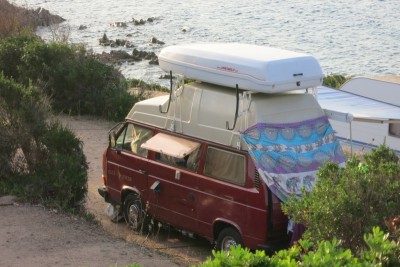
x: 225, y: 165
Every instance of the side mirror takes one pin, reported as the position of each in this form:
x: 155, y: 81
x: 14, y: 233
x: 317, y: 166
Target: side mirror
x: 113, y: 142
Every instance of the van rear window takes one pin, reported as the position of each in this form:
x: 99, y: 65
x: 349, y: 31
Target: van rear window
x: 225, y: 165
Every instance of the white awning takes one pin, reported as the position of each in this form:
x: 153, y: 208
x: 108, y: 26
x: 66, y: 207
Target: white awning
x: 170, y: 145
x: 347, y: 107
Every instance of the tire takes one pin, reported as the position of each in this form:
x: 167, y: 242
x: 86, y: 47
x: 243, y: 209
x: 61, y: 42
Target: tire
x: 133, y: 211
x: 228, y: 237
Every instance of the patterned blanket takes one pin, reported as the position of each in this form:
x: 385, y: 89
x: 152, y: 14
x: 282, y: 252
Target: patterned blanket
x: 287, y: 156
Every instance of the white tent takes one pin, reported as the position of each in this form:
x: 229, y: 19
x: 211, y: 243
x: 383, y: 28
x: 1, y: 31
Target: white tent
x: 360, y: 119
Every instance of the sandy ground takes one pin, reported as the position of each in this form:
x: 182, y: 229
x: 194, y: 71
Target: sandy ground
x: 35, y: 236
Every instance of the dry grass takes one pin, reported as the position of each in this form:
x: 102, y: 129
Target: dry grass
x: 13, y: 20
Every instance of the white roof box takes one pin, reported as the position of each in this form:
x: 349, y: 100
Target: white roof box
x: 251, y: 67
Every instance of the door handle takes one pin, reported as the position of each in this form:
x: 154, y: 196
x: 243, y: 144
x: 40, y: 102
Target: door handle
x: 191, y: 197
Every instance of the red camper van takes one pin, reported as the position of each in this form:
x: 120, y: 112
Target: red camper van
x: 181, y: 159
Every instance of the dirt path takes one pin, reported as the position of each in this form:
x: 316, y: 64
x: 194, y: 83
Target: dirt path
x: 34, y: 236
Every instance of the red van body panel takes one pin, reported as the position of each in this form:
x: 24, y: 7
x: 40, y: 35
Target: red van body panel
x: 193, y: 202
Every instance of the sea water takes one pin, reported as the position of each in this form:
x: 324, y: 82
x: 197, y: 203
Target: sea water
x: 351, y: 37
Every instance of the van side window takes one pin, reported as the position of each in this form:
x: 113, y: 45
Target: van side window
x: 225, y: 165
x: 132, y: 137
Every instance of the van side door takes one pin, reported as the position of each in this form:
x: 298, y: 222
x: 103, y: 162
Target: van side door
x: 174, y: 200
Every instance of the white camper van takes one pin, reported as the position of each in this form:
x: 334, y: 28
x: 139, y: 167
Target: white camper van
x: 365, y: 112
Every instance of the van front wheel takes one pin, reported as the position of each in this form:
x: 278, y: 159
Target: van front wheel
x: 133, y: 212
x: 228, y: 237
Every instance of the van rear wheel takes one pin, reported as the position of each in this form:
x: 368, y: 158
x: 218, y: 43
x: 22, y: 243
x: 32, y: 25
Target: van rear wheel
x: 228, y: 237
x: 133, y: 212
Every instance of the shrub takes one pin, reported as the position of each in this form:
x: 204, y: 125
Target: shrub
x: 335, y: 80
x: 40, y: 161
x: 347, y: 202
x: 12, y: 53
x: 379, y: 252
x: 22, y: 122
x: 61, y: 178
x: 76, y: 82
x: 146, y: 86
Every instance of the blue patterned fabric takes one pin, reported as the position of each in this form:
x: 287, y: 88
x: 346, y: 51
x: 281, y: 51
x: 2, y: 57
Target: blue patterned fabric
x: 287, y: 156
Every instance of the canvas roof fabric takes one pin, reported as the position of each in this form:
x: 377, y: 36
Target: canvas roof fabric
x: 170, y: 145
x: 344, y: 106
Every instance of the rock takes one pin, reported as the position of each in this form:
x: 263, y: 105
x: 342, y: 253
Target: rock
x: 7, y: 200
x: 148, y: 56
x: 154, y: 40
x: 138, y: 22
x: 118, y: 54
x: 42, y: 17
x: 153, y: 61
x: 104, y: 41
x: 82, y: 27
x: 150, y: 19
x: 122, y: 42
x: 119, y: 24
x: 115, y: 57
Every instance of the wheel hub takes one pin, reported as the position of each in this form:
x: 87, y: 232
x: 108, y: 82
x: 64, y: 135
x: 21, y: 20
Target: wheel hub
x: 134, y: 216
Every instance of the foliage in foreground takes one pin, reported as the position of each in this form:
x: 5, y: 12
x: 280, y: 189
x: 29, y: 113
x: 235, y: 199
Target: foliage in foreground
x: 40, y: 160
x: 73, y: 78
x: 335, y: 80
x: 380, y: 251
x: 146, y: 86
x: 347, y: 202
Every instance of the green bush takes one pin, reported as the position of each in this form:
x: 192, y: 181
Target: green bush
x: 347, y: 202
x: 335, y: 80
x: 380, y: 251
x: 61, y: 178
x: 11, y: 54
x: 22, y: 122
x: 40, y: 161
x: 74, y: 79
x: 146, y: 86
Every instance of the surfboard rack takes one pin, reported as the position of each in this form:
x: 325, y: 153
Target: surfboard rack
x: 170, y: 94
x: 236, y: 112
